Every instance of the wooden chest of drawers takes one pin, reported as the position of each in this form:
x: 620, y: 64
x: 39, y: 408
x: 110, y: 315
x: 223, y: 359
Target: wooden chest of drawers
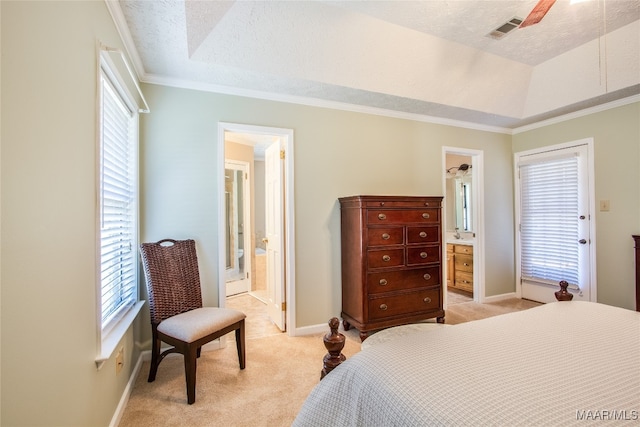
x: 391, y: 261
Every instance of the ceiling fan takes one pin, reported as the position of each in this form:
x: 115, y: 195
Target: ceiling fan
x: 537, y: 13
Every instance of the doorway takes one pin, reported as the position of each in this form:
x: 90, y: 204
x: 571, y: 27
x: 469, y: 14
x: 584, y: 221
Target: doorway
x: 268, y: 257
x: 555, y: 233
x: 463, y: 225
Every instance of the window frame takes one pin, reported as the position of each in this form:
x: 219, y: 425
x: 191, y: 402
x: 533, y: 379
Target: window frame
x: 111, y: 333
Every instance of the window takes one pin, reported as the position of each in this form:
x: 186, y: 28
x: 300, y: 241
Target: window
x: 117, y: 213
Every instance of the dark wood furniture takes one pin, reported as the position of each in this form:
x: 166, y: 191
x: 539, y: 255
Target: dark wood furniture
x: 335, y: 345
x: 637, y: 240
x: 391, y: 261
x: 175, y: 304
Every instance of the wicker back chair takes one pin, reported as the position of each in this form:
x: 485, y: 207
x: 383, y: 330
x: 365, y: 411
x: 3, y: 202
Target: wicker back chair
x: 175, y: 302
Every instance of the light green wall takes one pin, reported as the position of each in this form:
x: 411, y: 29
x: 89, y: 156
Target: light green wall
x: 49, y: 376
x: 47, y: 246
x: 616, y: 135
x: 337, y: 153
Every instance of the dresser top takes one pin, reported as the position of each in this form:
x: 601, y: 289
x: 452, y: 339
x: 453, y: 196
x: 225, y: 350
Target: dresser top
x: 390, y: 201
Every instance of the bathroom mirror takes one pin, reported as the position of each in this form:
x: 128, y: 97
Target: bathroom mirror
x: 463, y: 203
x: 459, y: 191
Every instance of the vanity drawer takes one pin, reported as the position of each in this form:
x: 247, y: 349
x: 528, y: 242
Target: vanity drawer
x: 464, y: 263
x: 389, y: 281
x: 403, y: 216
x: 407, y: 303
x: 463, y: 249
x: 423, y: 255
x: 380, y: 236
x: 464, y: 281
x: 423, y: 234
x: 381, y: 258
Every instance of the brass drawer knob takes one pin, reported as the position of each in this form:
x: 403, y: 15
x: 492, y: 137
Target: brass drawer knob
x: 386, y: 258
x: 423, y: 234
x: 427, y: 276
x: 385, y: 236
x: 383, y: 282
x: 427, y: 300
x: 425, y: 215
x: 423, y: 255
x: 383, y: 307
x: 382, y: 216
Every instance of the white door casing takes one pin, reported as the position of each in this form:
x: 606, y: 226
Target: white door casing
x: 477, y: 219
x: 585, y: 288
x: 288, y: 214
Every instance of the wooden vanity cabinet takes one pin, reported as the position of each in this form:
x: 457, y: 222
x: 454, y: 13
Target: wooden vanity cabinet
x: 460, y: 267
x: 391, y: 261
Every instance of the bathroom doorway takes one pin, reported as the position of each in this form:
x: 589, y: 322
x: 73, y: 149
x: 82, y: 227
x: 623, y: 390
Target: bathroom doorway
x: 257, y: 261
x: 463, y: 225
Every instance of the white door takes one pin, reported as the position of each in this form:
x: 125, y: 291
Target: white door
x: 274, y: 235
x: 554, y: 231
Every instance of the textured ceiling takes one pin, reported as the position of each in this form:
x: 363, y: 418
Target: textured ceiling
x: 430, y: 59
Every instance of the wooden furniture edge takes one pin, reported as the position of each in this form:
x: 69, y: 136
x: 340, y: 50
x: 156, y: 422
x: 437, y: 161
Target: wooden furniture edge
x: 334, y: 341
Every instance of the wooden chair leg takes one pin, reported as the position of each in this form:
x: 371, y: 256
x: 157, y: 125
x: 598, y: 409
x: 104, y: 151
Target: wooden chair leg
x: 240, y: 344
x: 155, y: 356
x: 190, y: 361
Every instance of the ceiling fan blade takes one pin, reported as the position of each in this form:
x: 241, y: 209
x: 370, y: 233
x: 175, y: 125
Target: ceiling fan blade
x: 537, y: 13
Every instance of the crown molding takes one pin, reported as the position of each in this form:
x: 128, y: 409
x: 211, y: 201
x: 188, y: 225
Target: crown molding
x: 577, y: 114
x: 315, y: 102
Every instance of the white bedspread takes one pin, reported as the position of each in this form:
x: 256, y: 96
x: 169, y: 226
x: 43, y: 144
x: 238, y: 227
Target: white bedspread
x: 560, y: 364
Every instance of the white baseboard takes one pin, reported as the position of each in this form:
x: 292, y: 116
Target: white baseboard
x: 322, y: 328
x: 501, y: 297
x: 145, y: 356
x: 117, y: 416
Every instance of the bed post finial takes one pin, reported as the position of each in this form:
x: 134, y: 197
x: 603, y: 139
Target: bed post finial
x: 334, y: 342
x: 563, y: 294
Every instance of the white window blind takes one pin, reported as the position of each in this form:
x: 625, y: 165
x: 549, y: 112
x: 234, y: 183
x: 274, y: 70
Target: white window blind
x: 549, y: 227
x: 118, y: 205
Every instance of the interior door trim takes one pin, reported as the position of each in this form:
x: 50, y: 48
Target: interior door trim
x: 286, y: 136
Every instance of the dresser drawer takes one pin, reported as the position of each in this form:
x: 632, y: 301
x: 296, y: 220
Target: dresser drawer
x: 381, y: 258
x: 409, y: 203
x: 423, y: 234
x: 389, y: 281
x: 403, y: 216
x: 464, y: 263
x: 412, y: 302
x: 420, y: 255
x: 379, y: 236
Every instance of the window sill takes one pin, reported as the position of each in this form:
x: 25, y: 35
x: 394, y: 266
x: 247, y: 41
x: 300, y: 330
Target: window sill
x: 111, y: 340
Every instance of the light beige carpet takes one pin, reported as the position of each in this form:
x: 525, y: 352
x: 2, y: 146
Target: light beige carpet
x: 280, y: 373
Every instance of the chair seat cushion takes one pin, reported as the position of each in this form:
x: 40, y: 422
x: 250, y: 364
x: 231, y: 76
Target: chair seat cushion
x: 195, y: 324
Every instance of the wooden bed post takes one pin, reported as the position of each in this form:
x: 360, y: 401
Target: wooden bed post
x: 334, y: 342
x: 563, y: 294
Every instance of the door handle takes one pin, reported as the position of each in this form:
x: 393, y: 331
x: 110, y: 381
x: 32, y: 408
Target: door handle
x: 265, y: 240
x: 582, y: 241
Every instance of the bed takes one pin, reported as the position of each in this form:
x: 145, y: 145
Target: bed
x: 563, y: 363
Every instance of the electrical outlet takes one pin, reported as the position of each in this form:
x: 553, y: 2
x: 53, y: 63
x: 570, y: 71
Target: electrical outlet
x: 119, y: 360
x: 604, y: 206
